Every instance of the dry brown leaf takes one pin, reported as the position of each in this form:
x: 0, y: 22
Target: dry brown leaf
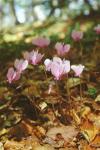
x: 44, y: 147
x: 87, y: 147
x: 95, y: 119
x: 67, y: 132
x: 85, y: 111
x: 89, y: 131
x: 72, y: 82
x: 27, y: 144
x: 97, y: 98
x: 76, y: 117
x: 1, y: 146
x: 41, y: 130
x: 96, y: 142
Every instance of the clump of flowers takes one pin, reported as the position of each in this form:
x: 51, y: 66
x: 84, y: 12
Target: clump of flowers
x: 77, y: 35
x: 62, y: 48
x: 41, y: 42
x: 14, y: 74
x: 58, y: 67
x: 97, y: 29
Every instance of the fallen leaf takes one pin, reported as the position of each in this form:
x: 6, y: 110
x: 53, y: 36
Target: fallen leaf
x: 72, y: 82
x: 85, y: 111
x: 97, y: 98
x: 67, y: 132
x: 96, y: 142
x: 76, y: 117
x: 26, y: 144
x: 1, y: 146
x: 95, y: 119
x: 89, y: 131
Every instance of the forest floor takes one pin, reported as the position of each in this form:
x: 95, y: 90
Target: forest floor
x: 31, y: 117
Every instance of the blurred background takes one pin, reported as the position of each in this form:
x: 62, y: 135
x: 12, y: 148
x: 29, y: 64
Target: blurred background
x: 14, y: 12
x: 23, y: 20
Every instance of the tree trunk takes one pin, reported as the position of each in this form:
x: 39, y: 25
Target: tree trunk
x: 12, y: 6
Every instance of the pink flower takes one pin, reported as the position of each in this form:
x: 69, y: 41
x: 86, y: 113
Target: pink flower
x: 66, y: 64
x: 77, y: 35
x: 62, y: 48
x: 97, y: 29
x: 47, y: 64
x: 41, y: 42
x: 20, y: 65
x: 57, y: 70
x: 12, y: 75
x: 78, y: 69
x: 57, y: 67
x: 35, y: 57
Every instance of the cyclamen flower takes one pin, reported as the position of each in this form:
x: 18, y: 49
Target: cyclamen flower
x: 97, y: 29
x: 65, y: 64
x: 77, y: 35
x: 35, y: 57
x: 78, y: 69
x: 41, y: 42
x: 57, y: 67
x: 21, y: 65
x: 12, y: 75
x: 47, y: 64
x: 62, y: 48
x: 57, y: 71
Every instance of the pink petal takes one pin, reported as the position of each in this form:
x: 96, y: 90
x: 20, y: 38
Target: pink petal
x: 66, y: 64
x: 78, y: 69
x: 21, y: 65
x: 47, y: 64
x: 41, y: 42
x: 77, y: 35
x: 97, y: 29
x: 11, y: 74
x: 57, y: 59
x: 35, y: 57
x: 62, y: 49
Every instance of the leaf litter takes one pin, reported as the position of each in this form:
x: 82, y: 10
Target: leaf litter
x: 36, y: 116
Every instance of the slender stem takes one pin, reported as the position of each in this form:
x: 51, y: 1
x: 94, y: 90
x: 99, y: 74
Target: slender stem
x: 59, y: 102
x: 81, y: 51
x: 81, y: 95
x: 45, y: 74
x: 68, y: 90
x: 57, y: 85
x: 53, y: 108
x: 94, y: 49
x: 73, y: 80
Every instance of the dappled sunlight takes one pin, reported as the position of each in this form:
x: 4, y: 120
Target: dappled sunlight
x: 50, y: 75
